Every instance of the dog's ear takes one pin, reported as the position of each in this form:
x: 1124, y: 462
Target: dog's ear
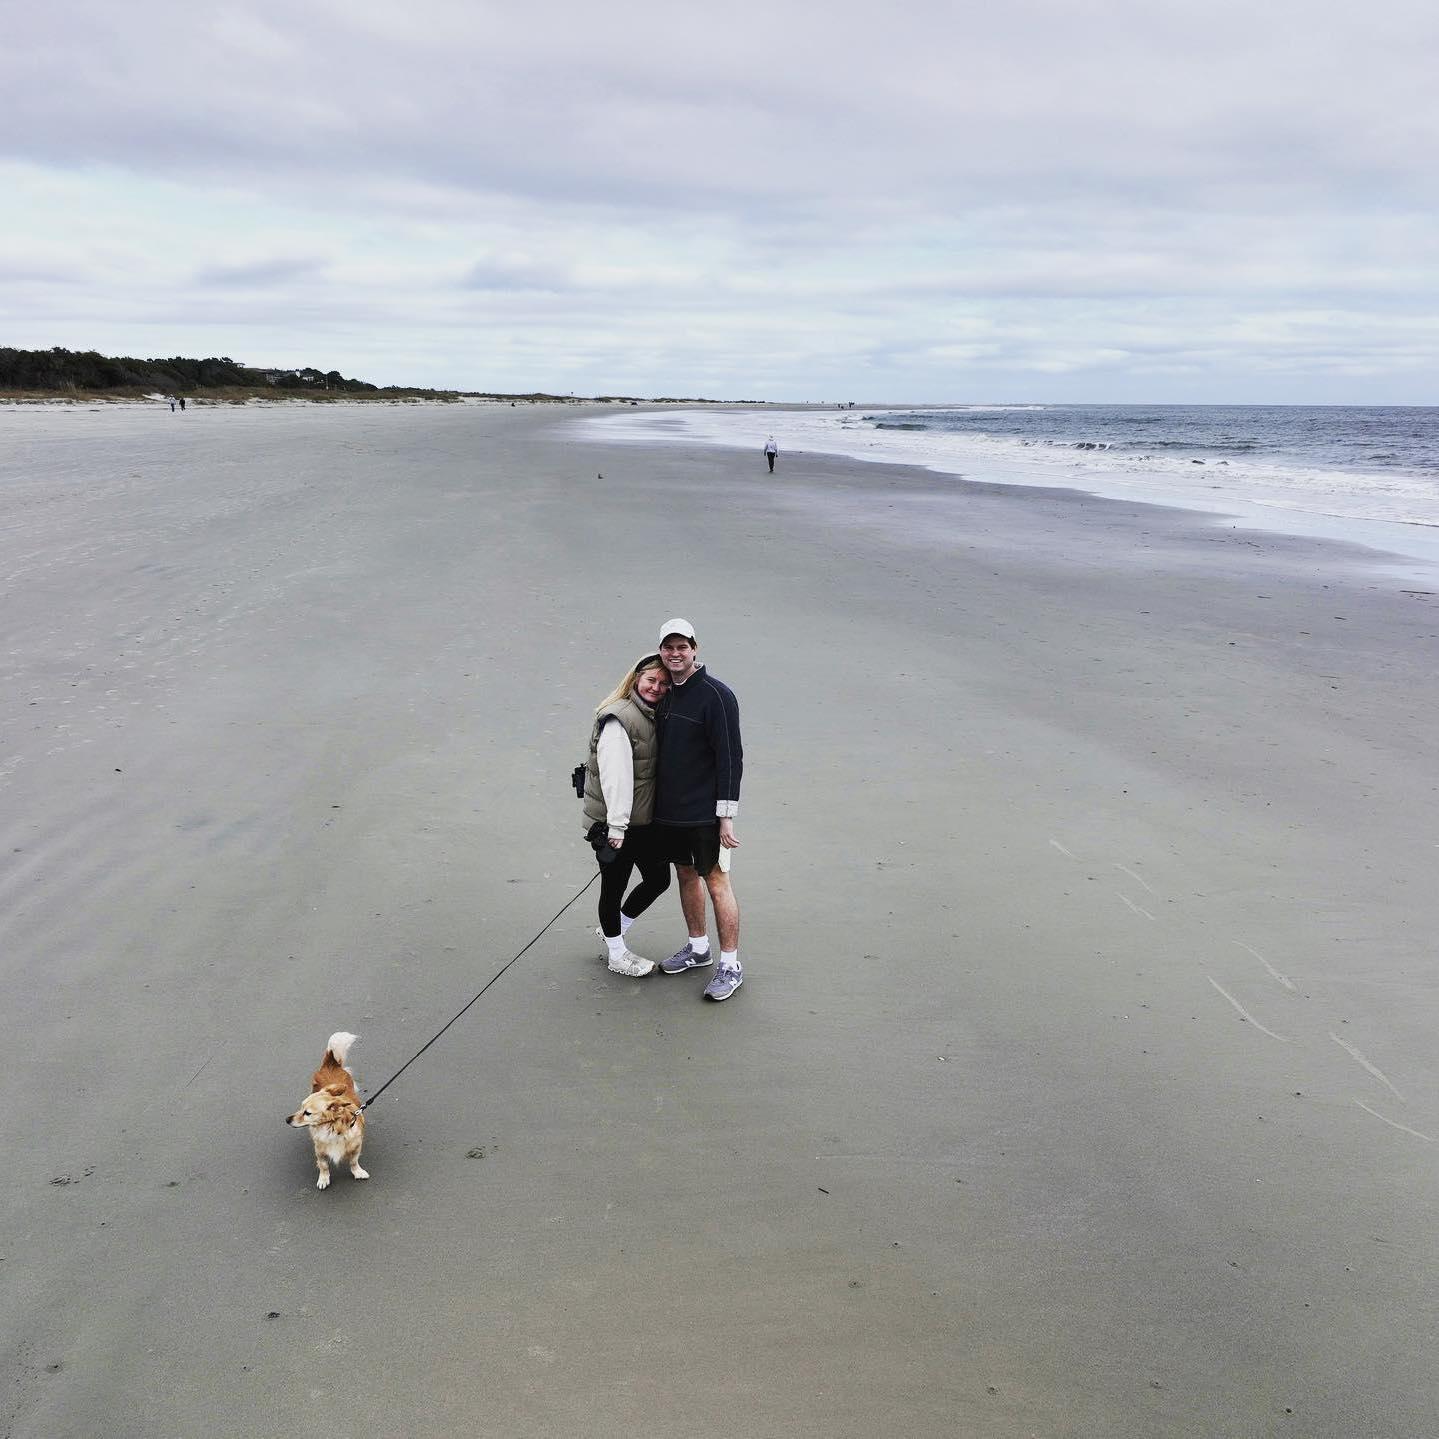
x: 335, y: 1089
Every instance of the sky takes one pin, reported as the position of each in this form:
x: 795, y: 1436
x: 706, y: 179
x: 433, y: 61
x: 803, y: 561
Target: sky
x: 1115, y: 201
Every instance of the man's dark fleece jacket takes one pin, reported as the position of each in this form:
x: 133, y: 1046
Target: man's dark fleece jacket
x: 701, y: 759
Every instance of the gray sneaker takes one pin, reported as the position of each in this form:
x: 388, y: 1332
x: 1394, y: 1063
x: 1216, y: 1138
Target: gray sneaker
x: 726, y: 979
x: 684, y: 959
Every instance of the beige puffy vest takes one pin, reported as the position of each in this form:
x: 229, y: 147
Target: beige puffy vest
x: 639, y: 724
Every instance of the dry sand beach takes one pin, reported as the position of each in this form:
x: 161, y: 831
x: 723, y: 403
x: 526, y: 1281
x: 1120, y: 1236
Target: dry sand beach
x: 1083, y: 1082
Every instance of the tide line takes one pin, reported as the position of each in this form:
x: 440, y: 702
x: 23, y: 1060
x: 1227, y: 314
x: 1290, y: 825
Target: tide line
x: 1372, y: 1068
x: 1283, y: 979
x: 1134, y: 906
x: 1138, y: 879
x: 1394, y: 1123
x: 1244, y: 1013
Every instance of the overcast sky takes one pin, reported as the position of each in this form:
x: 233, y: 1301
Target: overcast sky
x: 1212, y: 200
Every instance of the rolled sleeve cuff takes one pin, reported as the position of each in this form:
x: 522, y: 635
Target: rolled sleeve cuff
x: 726, y: 808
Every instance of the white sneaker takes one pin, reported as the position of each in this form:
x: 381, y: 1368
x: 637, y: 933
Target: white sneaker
x: 632, y: 965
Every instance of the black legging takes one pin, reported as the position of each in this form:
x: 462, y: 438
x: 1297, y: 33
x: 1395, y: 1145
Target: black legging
x: 639, y: 849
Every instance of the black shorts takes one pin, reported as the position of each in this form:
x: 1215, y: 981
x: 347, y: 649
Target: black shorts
x: 696, y: 845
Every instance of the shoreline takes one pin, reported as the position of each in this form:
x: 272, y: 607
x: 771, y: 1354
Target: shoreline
x: 1410, y: 545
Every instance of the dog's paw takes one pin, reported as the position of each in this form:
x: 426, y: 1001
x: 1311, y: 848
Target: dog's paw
x: 323, y: 1182
x: 358, y: 1172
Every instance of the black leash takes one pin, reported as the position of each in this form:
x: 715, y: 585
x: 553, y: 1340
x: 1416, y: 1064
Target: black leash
x: 486, y: 985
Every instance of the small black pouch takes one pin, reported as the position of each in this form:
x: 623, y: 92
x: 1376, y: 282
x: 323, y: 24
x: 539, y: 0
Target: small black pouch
x: 578, y: 780
x: 598, y: 835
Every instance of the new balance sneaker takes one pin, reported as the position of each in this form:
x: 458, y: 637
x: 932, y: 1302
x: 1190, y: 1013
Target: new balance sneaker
x: 727, y: 978
x: 686, y: 958
x: 631, y: 965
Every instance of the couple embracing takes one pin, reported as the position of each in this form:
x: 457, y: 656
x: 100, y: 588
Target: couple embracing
x: 661, y: 788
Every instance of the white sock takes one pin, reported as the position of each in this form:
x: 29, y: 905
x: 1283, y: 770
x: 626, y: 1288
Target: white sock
x: 617, y: 945
x: 625, y: 922
x: 700, y: 945
x: 729, y: 959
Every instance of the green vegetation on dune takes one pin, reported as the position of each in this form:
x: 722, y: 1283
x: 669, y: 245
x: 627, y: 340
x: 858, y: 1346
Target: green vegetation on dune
x: 61, y: 371
x: 71, y: 374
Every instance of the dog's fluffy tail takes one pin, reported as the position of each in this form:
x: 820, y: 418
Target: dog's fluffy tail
x: 339, y: 1045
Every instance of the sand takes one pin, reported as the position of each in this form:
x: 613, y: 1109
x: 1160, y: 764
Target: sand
x: 1083, y: 1081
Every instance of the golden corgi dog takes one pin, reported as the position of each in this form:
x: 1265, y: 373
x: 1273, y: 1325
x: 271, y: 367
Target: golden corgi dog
x: 332, y: 1113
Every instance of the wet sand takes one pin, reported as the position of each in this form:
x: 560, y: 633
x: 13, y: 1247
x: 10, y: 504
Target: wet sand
x: 1083, y: 1080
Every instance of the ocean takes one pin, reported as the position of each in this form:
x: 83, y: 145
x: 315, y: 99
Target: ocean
x: 1369, y: 474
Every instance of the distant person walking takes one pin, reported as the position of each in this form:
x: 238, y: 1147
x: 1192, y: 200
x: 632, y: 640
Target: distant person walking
x: 619, y: 795
x: 770, y: 451
x: 182, y: 402
x: 696, y: 796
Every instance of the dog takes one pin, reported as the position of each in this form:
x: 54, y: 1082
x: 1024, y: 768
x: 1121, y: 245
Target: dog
x: 333, y: 1113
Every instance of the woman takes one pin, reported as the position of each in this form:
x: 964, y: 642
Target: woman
x: 619, y: 804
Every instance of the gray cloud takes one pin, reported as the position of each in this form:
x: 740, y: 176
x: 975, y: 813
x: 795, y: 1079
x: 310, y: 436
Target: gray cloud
x: 19, y: 273
x: 515, y: 273
x: 259, y: 274
x: 762, y: 105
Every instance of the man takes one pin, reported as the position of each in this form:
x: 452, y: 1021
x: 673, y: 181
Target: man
x: 696, y: 796
x: 770, y: 451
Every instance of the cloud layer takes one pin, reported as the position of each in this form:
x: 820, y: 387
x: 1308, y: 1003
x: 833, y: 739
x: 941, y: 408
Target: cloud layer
x: 1169, y: 201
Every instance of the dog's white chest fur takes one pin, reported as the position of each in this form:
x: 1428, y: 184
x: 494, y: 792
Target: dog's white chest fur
x: 330, y: 1142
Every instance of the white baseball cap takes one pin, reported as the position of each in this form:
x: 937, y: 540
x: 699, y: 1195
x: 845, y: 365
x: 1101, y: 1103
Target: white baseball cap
x: 677, y: 626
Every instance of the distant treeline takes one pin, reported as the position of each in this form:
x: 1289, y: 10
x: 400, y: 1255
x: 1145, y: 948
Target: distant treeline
x: 59, y: 369
x: 74, y: 372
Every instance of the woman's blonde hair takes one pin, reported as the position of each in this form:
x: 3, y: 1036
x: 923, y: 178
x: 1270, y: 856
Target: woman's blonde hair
x: 626, y: 686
